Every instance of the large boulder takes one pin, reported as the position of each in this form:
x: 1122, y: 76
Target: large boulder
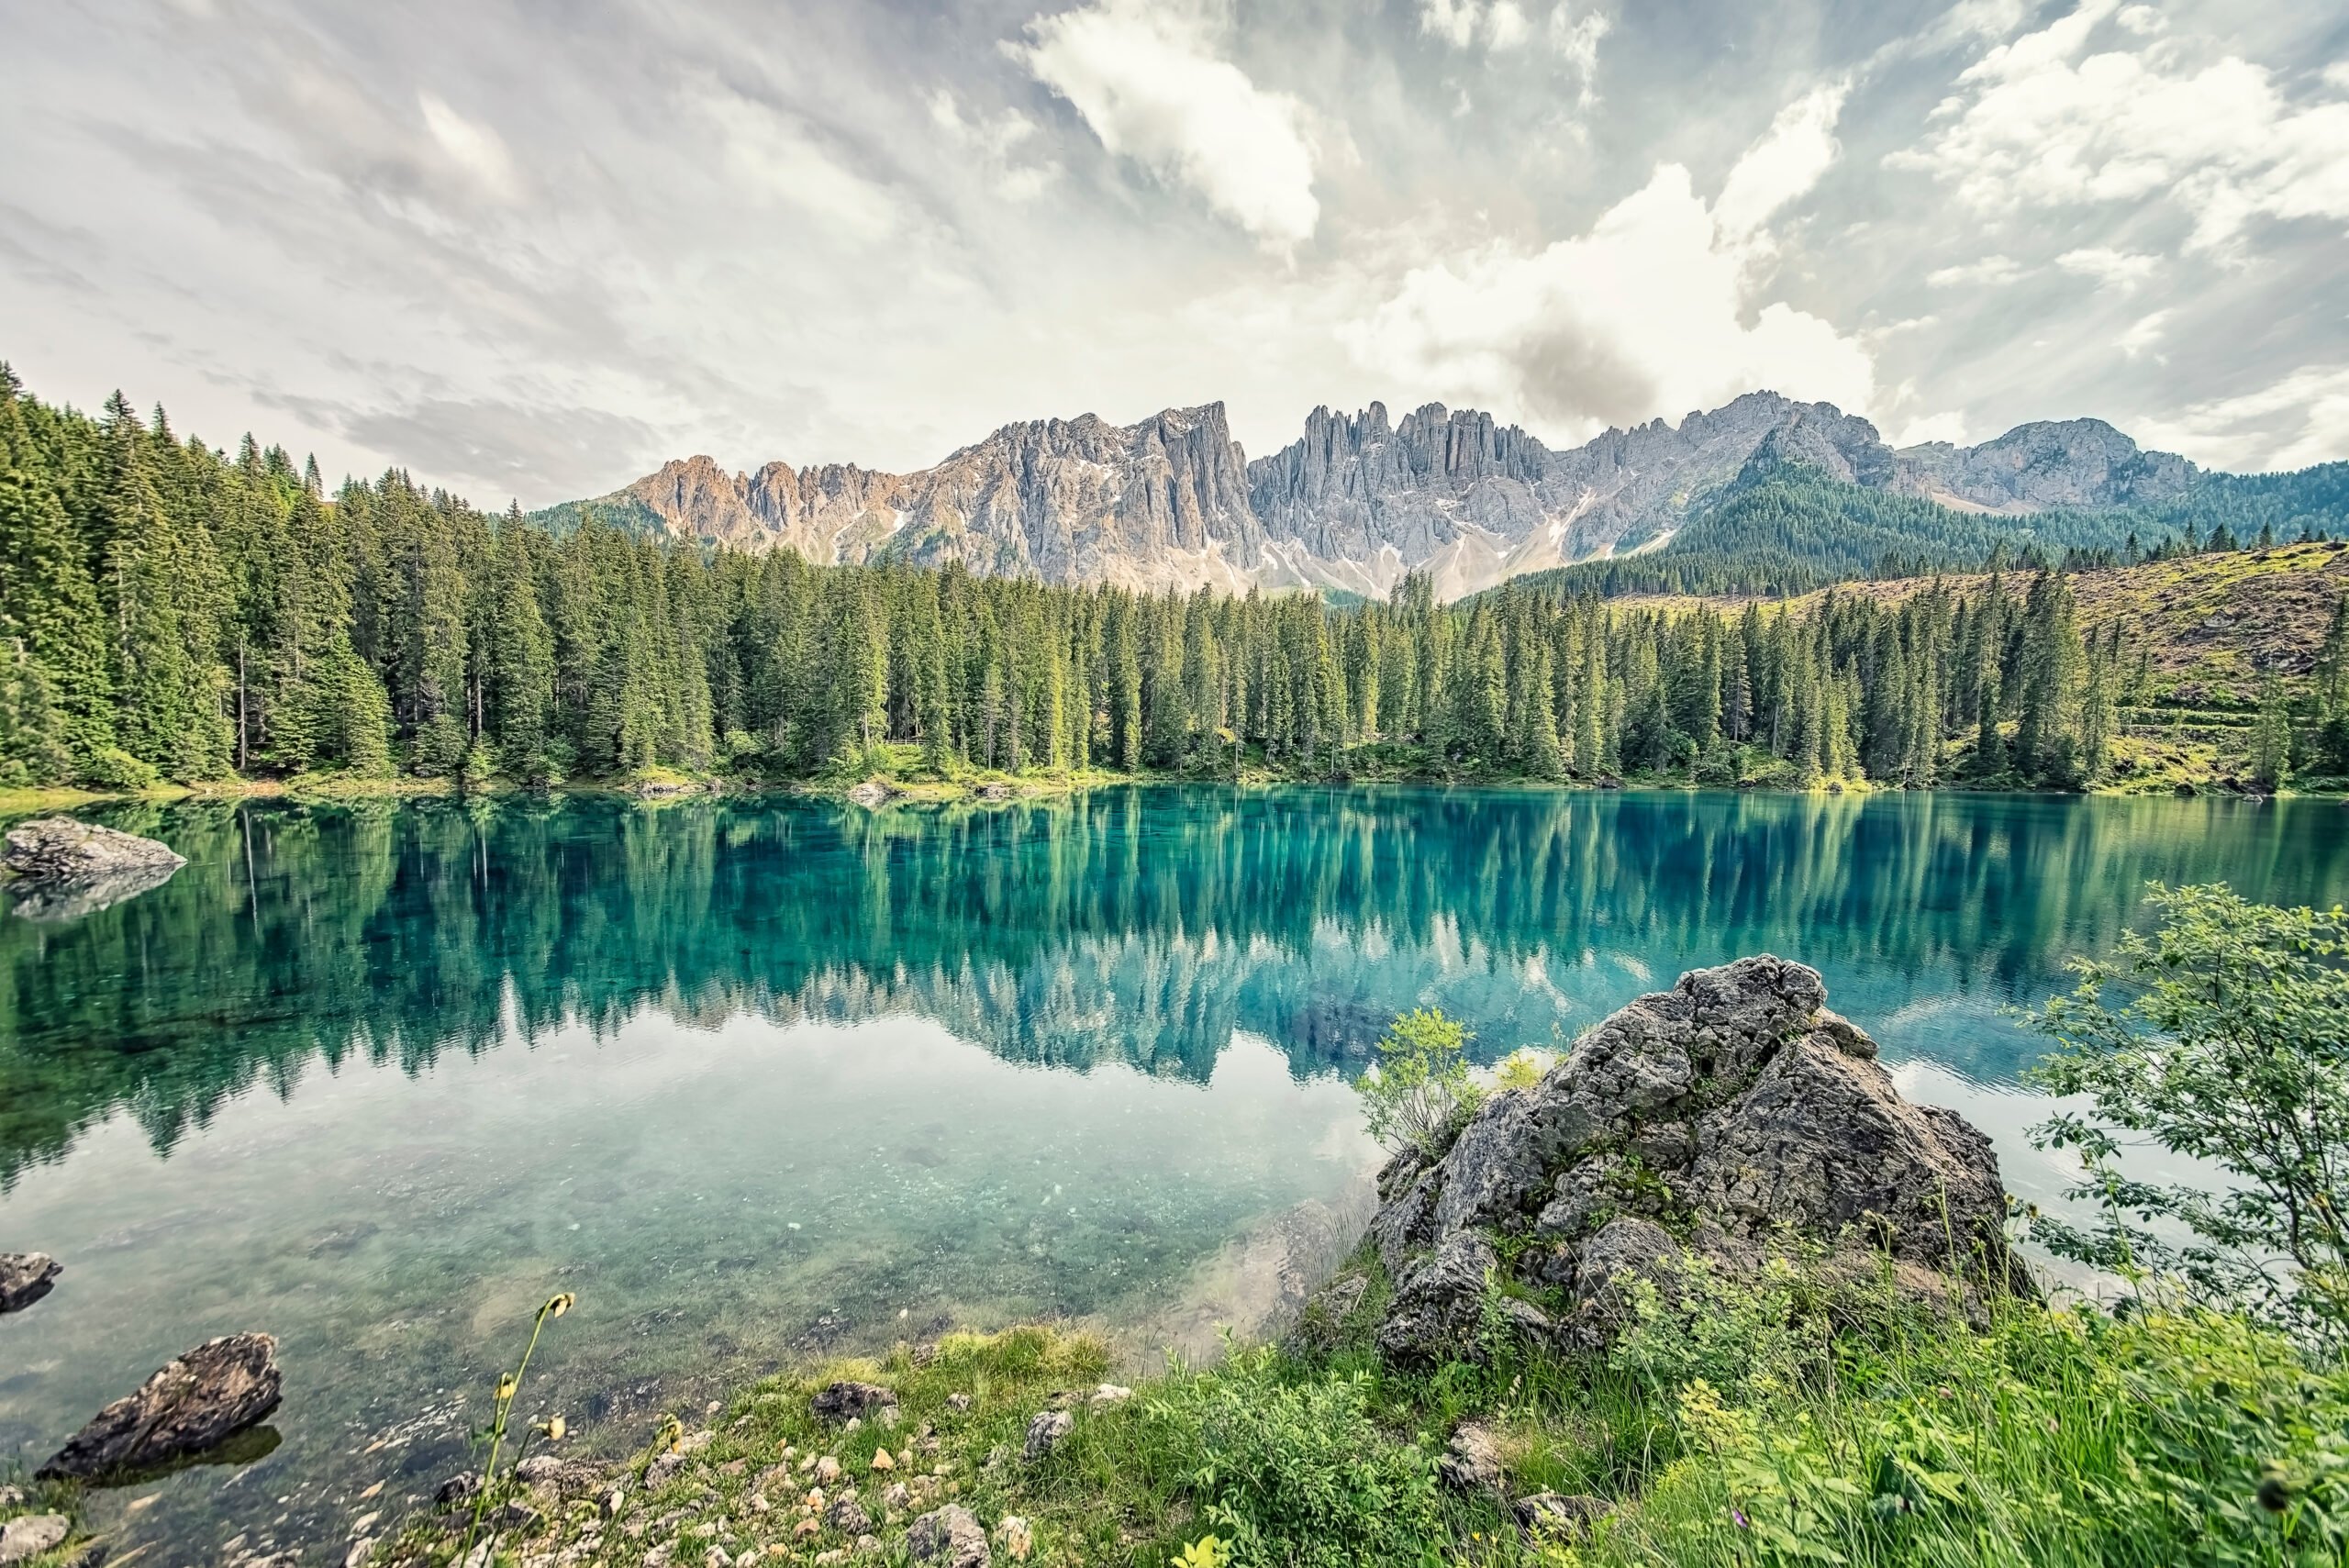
x: 67, y: 869
x: 25, y: 1278
x: 59, y: 848
x: 1718, y: 1119
x: 192, y: 1404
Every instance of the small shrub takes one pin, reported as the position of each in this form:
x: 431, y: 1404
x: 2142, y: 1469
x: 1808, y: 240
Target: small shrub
x: 111, y: 767
x: 1521, y: 1068
x: 2234, y: 1047
x: 1298, y: 1474
x: 1419, y: 1094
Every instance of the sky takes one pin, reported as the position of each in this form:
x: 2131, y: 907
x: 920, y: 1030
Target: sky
x: 531, y: 249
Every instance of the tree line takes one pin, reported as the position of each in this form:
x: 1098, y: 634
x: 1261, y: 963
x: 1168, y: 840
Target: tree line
x: 172, y: 611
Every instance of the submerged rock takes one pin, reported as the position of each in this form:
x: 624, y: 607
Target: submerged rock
x: 191, y: 1404
x: 1710, y: 1120
x: 25, y: 1278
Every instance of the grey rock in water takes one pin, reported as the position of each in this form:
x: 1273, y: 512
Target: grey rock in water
x: 846, y: 1401
x: 873, y: 792
x: 1710, y: 1119
x: 32, y: 1535
x: 191, y: 1404
x: 950, y: 1538
x: 25, y: 1278
x: 68, y: 869
x: 59, y: 848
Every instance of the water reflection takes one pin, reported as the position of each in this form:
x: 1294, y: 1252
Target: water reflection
x: 1140, y: 926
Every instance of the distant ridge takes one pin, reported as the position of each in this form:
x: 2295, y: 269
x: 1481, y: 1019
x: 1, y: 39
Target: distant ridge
x: 1359, y: 499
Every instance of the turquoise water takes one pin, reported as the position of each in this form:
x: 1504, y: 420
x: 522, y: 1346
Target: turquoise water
x: 759, y: 1080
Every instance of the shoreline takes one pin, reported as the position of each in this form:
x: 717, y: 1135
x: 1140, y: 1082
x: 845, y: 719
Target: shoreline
x: 880, y: 790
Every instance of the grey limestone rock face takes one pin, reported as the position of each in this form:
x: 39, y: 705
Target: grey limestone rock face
x: 193, y: 1403
x: 59, y: 848
x: 1718, y: 1119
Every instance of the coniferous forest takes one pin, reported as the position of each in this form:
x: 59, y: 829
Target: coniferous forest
x: 175, y: 612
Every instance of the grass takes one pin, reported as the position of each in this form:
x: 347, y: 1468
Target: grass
x: 1805, y: 1418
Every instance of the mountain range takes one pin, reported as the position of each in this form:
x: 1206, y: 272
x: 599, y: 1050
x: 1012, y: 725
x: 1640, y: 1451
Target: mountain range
x: 1357, y: 500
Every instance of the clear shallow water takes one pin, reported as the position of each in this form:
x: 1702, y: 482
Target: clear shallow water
x: 758, y: 1080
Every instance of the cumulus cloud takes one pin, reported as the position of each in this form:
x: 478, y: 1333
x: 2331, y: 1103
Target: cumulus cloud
x: 2301, y: 419
x: 1151, y: 82
x: 1950, y: 428
x: 2121, y: 270
x: 1648, y: 312
x: 2043, y: 122
x: 1991, y: 270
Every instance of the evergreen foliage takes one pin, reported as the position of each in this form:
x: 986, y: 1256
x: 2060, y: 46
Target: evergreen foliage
x: 169, y: 610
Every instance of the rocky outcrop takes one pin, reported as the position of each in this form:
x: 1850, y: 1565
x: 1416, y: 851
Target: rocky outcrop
x: 27, y: 1538
x: 1729, y: 1115
x: 25, y: 1278
x: 2068, y: 463
x: 193, y: 1403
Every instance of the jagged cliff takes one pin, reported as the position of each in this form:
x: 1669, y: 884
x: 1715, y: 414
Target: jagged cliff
x: 1356, y: 501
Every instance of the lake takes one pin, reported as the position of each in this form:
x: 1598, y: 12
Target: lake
x: 764, y: 1079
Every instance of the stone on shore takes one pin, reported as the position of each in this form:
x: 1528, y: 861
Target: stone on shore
x: 1712, y: 1121
x: 25, y: 1278
x: 1044, y: 1433
x: 193, y: 1403
x: 950, y: 1538
x: 27, y: 1538
x: 846, y: 1401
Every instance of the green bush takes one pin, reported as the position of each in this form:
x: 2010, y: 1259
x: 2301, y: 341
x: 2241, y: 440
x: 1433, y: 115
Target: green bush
x: 1419, y: 1093
x: 1296, y: 1474
x: 2232, y: 1047
x: 111, y: 767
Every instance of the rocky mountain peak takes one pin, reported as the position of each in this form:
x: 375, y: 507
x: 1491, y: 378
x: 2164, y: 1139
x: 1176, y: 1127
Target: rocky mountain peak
x: 1358, y: 499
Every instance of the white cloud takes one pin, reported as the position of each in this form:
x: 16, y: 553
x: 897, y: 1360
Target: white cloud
x: 2040, y: 122
x: 1649, y: 313
x: 772, y: 155
x: 2301, y: 419
x: 1152, y: 83
x: 1575, y: 40
x: 472, y: 146
x: 1501, y: 24
x: 2143, y: 20
x: 1950, y: 428
x: 1994, y: 271
x: 997, y: 144
x: 2144, y: 333
x: 1784, y: 164
x: 2122, y: 270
